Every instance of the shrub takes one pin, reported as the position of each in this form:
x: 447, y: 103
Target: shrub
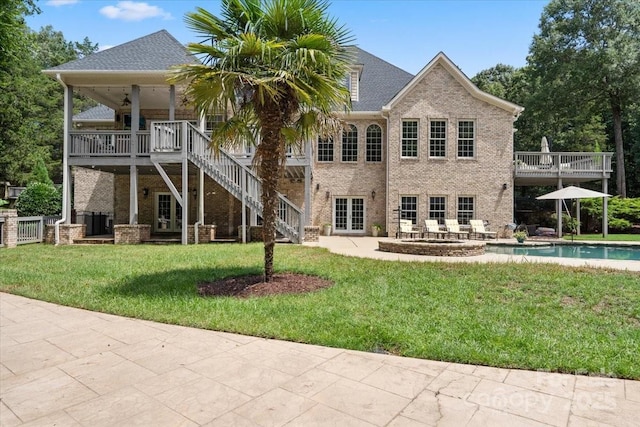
x: 622, y: 213
x: 39, y: 199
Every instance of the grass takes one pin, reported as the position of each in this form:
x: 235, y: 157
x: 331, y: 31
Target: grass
x: 609, y: 238
x: 528, y: 316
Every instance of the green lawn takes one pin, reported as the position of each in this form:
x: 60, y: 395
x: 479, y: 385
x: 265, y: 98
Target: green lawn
x: 609, y: 238
x: 549, y: 317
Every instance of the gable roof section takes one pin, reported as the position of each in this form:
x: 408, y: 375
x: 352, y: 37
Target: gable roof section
x: 460, y: 77
x: 155, y: 52
x: 380, y: 81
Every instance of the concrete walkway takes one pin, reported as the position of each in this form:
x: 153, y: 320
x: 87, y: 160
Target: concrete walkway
x: 69, y: 367
x: 367, y: 247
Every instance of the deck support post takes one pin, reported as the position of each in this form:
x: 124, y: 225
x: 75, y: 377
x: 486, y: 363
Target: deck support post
x: 605, y: 209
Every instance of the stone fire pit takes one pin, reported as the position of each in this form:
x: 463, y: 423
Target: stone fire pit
x: 433, y: 247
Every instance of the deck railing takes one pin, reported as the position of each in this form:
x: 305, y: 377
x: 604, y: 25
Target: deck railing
x: 540, y: 164
x: 31, y: 228
x: 114, y: 143
x: 103, y: 143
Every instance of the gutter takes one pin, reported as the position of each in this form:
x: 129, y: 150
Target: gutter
x: 65, y: 168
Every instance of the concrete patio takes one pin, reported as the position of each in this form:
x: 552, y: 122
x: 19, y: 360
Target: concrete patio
x: 69, y: 367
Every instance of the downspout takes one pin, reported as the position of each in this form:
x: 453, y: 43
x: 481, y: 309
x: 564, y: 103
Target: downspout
x: 65, y: 168
x: 386, y: 208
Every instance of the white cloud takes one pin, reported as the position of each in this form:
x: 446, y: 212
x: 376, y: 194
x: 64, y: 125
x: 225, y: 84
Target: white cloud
x: 56, y: 3
x: 133, y: 11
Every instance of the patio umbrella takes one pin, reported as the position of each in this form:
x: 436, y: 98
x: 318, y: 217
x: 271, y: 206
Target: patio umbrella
x: 571, y: 192
x: 544, y: 147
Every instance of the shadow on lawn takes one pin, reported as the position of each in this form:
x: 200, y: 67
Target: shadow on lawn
x: 175, y: 283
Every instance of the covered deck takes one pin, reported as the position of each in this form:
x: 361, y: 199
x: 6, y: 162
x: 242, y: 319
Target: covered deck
x: 561, y: 169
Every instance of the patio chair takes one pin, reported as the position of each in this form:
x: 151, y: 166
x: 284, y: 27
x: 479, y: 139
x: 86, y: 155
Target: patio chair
x: 406, y: 227
x: 478, y: 230
x: 431, y: 227
x: 454, y: 228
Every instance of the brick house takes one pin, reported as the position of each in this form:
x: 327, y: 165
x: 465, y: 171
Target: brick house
x: 432, y: 145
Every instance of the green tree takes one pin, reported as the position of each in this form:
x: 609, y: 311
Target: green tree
x: 31, y: 104
x: 588, y: 54
x: 40, y: 173
x: 38, y: 199
x: 281, y: 66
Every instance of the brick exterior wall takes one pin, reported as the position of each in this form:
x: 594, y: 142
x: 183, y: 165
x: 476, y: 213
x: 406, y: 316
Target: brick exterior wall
x: 438, y: 96
x: 92, y: 190
x: 220, y: 207
x: 311, y: 233
x: 350, y: 179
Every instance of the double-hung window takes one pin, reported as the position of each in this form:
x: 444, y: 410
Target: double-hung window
x: 466, y: 139
x: 374, y: 143
x: 438, y: 208
x: 465, y: 209
x: 325, y: 149
x: 409, y: 144
x: 350, y: 144
x: 437, y: 138
x: 409, y: 208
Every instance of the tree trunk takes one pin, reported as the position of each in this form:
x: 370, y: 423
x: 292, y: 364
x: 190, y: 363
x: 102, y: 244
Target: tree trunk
x: 270, y: 155
x: 621, y: 181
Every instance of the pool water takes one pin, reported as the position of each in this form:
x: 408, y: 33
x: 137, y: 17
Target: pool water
x: 628, y: 253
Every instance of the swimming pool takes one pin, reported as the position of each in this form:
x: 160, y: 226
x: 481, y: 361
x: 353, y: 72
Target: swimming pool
x: 628, y: 253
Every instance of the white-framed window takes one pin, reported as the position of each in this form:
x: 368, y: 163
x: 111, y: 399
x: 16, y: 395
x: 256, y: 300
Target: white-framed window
x: 212, y: 120
x: 409, y: 208
x: 437, y: 138
x: 466, y: 209
x: 409, y: 145
x: 350, y: 144
x: 374, y: 143
x: 466, y: 139
x: 325, y: 149
x: 438, y: 208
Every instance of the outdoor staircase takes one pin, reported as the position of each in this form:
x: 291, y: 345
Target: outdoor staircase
x: 226, y: 170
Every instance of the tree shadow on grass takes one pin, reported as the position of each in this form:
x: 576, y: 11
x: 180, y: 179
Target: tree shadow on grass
x: 174, y: 283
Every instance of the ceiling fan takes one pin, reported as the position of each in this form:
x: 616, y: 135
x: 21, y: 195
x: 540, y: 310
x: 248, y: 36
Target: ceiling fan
x: 126, y: 101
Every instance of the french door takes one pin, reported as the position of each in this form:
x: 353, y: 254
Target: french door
x: 168, y: 213
x: 348, y: 214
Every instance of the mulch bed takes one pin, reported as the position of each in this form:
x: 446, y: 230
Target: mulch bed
x: 254, y: 286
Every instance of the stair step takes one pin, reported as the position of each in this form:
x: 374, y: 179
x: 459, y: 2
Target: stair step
x: 92, y: 241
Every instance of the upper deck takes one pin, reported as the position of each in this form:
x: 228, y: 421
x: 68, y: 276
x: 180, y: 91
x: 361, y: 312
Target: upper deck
x: 540, y: 168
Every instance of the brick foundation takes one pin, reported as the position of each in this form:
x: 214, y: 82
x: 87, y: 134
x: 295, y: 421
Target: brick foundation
x: 311, y: 233
x: 125, y: 234
x: 68, y: 233
x: 206, y: 233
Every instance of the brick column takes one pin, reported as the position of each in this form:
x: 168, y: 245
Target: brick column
x: 9, y: 228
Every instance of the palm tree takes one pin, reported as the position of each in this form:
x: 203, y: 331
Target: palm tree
x: 280, y: 67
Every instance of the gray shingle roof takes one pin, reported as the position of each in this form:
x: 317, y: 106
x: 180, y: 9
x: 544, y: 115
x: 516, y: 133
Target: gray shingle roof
x: 156, y: 52
x: 380, y: 81
x: 97, y: 113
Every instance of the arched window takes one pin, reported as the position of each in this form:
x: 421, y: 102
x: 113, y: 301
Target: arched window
x: 374, y: 143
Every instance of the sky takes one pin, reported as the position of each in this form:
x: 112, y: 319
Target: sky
x: 474, y: 34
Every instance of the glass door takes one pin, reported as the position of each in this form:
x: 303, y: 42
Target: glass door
x: 348, y: 215
x: 168, y: 213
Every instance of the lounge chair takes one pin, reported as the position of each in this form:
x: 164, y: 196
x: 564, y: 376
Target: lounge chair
x: 454, y: 228
x: 478, y: 230
x: 406, y: 227
x: 431, y: 227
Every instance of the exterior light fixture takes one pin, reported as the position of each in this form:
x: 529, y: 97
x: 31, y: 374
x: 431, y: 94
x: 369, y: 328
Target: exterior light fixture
x: 145, y: 192
x: 504, y: 186
x: 373, y: 194
x: 327, y: 195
